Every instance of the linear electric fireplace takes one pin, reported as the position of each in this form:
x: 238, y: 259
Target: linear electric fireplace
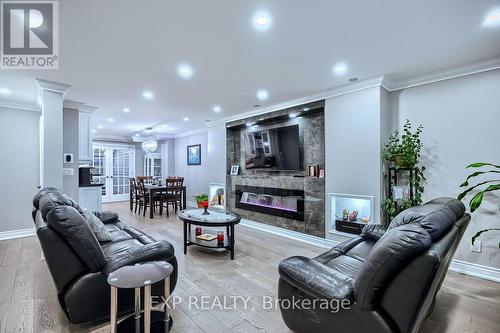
x: 273, y: 201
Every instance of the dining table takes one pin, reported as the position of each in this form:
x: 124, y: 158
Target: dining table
x: 152, y: 189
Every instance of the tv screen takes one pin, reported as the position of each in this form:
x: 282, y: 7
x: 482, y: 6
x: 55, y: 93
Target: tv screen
x: 273, y: 149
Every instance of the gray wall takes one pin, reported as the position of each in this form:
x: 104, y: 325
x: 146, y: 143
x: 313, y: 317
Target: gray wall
x: 70, y: 146
x: 196, y: 177
x: 19, y: 134
x: 461, y: 119
x: 353, y: 135
x: 216, y: 154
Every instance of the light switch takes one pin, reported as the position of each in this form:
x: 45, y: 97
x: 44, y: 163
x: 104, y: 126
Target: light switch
x: 68, y: 171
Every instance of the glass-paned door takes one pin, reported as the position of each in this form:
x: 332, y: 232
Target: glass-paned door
x: 99, y: 164
x: 152, y: 165
x: 115, y: 165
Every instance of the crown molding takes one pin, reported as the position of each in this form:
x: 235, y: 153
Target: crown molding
x: 19, y: 106
x: 194, y: 132
x: 88, y: 108
x: 52, y: 86
x: 110, y: 137
x: 330, y: 93
x: 69, y: 104
x: 447, y: 74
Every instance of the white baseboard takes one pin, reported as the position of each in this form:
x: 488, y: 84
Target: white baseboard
x: 467, y: 268
x: 476, y: 270
x: 11, y: 234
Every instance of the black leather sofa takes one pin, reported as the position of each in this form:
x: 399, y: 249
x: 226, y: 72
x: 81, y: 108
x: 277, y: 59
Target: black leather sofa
x: 80, y: 265
x: 389, y: 276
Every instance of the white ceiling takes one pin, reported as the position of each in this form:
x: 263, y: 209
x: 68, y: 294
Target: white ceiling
x: 110, y: 51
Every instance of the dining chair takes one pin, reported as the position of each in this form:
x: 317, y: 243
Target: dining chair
x: 145, y: 179
x: 173, y: 195
x: 133, y: 191
x: 143, y: 197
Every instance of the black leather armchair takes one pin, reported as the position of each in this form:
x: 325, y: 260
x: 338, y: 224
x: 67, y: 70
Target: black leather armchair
x: 389, y: 277
x: 80, y: 265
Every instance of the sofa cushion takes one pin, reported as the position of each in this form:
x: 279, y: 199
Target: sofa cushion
x: 388, y: 256
x: 120, y: 256
x: 119, y: 236
x: 99, y: 229
x: 107, y: 216
x: 362, y: 250
x: 55, y: 199
x: 111, y: 249
x: 436, y: 216
x: 70, y: 224
x: 345, y: 265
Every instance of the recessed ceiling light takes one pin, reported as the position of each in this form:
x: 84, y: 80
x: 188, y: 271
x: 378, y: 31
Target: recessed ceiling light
x: 262, y: 20
x: 261, y: 119
x: 217, y: 108
x: 5, y: 91
x: 137, y: 134
x: 146, y: 94
x: 111, y: 120
x: 306, y: 109
x: 292, y: 115
x: 186, y: 119
x: 262, y: 95
x: 126, y: 110
x: 100, y: 126
x: 340, y: 68
x: 492, y: 19
x: 185, y: 71
x: 94, y: 131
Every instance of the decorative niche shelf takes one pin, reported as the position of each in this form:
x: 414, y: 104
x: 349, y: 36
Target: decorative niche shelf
x: 350, y: 204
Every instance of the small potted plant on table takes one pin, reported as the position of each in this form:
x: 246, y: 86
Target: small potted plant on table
x: 201, y: 200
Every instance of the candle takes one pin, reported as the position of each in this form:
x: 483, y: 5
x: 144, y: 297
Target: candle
x: 220, y: 238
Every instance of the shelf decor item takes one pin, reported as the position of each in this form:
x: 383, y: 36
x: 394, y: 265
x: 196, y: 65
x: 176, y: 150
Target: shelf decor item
x: 194, y: 155
x: 235, y: 170
x: 405, y: 176
x: 481, y: 188
x: 220, y: 238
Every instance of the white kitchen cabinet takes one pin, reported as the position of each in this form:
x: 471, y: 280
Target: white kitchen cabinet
x: 85, y: 137
x: 90, y: 197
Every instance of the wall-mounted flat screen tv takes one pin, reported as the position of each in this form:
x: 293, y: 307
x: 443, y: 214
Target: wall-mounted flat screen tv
x: 273, y: 149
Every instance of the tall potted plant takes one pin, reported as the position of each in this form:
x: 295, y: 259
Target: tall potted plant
x: 480, y: 188
x: 404, y: 152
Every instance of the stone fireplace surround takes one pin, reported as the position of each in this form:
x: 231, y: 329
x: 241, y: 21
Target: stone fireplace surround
x: 312, y: 143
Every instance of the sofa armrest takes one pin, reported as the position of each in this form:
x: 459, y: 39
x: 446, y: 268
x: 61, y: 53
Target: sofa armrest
x: 316, y: 279
x: 160, y: 250
x: 347, y: 245
x: 106, y: 216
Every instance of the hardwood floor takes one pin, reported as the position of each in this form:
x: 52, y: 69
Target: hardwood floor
x: 28, y: 301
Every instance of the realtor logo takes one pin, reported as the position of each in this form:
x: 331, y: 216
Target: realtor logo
x: 29, y: 35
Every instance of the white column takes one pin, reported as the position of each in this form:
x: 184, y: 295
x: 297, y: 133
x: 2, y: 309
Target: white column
x: 51, y: 132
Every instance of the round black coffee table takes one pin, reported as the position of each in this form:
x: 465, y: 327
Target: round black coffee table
x: 215, y: 218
